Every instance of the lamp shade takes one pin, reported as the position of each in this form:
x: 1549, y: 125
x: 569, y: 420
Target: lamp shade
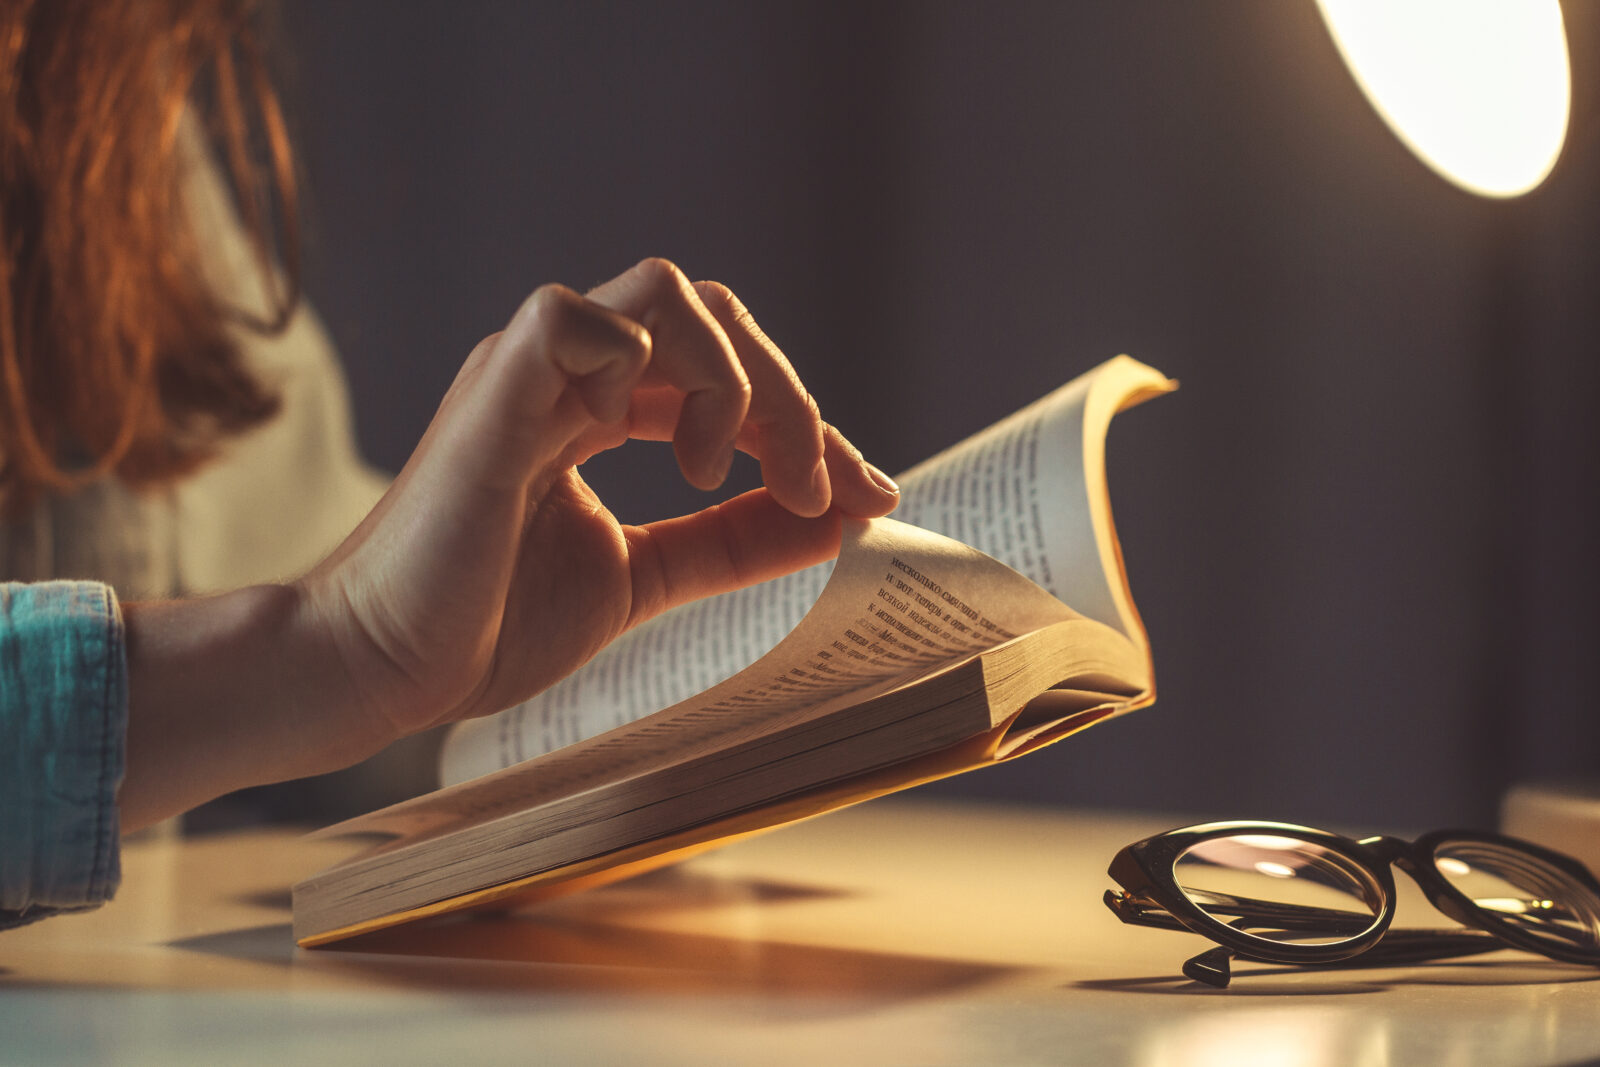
x: 1480, y: 90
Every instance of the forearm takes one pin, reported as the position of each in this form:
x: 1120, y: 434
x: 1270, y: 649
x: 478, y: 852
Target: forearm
x: 230, y: 691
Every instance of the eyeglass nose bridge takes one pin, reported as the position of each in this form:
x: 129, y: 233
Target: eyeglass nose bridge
x: 1414, y: 859
x: 1405, y: 854
x: 1390, y: 850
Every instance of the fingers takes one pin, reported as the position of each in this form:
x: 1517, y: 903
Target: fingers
x: 686, y: 363
x: 806, y: 463
x: 524, y: 395
x: 783, y: 428
x: 598, y: 352
x: 695, y: 357
x: 748, y: 539
x: 859, y: 488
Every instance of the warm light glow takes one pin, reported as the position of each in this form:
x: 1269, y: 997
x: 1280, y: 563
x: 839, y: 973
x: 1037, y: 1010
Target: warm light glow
x: 1274, y: 870
x: 1514, y: 905
x: 1320, y: 1036
x: 1480, y: 90
x: 1271, y: 842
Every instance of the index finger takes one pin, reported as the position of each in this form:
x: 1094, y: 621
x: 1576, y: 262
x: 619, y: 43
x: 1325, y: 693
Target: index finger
x: 806, y: 463
x: 692, y: 353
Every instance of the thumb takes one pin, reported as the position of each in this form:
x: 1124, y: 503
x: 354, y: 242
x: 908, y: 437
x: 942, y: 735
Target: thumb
x: 749, y: 539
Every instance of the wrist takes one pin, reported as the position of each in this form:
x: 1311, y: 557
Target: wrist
x: 232, y: 691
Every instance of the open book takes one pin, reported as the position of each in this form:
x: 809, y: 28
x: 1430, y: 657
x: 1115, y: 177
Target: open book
x: 990, y: 618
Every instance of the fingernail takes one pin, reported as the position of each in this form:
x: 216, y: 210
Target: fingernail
x: 885, y: 482
x: 724, y: 463
x: 821, y: 484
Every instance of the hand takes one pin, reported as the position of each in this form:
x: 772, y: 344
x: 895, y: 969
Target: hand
x: 490, y: 570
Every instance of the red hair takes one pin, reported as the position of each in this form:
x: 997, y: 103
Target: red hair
x: 115, y: 355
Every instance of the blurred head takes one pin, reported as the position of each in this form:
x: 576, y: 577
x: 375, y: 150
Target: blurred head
x: 115, y: 356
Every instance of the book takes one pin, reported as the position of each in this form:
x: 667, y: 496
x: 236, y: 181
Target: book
x: 991, y: 617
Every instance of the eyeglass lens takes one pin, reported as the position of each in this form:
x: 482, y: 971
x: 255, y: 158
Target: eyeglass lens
x: 1280, y: 889
x: 1523, y: 890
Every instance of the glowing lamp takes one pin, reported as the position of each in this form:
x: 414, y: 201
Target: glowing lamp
x: 1480, y: 90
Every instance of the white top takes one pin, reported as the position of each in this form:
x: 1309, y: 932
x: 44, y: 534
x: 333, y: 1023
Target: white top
x: 276, y: 501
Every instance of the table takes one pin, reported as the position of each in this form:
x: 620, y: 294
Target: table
x: 901, y: 931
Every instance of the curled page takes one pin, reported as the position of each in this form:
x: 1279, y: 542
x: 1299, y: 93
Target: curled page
x: 902, y: 604
x: 1029, y: 491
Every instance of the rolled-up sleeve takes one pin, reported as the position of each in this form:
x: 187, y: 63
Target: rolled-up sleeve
x: 63, y: 724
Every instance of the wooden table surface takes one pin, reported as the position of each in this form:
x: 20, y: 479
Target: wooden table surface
x: 897, y: 932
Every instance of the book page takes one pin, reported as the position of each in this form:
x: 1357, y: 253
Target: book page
x: 1028, y: 491
x: 901, y: 603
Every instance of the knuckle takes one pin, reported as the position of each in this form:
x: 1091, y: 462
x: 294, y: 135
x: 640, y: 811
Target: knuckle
x: 661, y: 274
x: 546, y: 308
x: 841, y: 442
x: 481, y: 350
x: 574, y: 333
x: 716, y: 295
x: 550, y: 298
x: 726, y: 305
x: 638, y: 342
x: 811, y: 412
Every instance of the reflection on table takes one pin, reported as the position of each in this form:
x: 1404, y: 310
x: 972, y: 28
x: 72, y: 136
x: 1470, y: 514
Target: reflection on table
x: 897, y: 932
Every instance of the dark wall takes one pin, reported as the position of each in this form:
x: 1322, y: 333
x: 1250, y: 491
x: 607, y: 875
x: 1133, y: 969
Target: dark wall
x: 1362, y: 532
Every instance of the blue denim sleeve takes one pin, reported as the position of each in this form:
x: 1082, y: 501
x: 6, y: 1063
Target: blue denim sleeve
x: 63, y: 722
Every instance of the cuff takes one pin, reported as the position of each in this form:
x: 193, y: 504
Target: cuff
x: 63, y: 721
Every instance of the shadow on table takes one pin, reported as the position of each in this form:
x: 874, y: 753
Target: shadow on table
x: 600, y: 942
x: 1331, y: 980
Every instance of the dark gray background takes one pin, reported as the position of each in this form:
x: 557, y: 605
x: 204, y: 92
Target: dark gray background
x: 1362, y: 534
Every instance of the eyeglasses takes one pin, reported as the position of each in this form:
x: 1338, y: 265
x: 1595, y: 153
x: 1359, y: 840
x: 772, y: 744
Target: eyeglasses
x: 1275, y: 893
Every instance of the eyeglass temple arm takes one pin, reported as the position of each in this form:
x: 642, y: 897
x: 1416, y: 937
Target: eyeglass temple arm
x: 1268, y: 914
x: 1211, y: 966
x: 1140, y: 911
x: 1397, y: 948
x: 1278, y: 915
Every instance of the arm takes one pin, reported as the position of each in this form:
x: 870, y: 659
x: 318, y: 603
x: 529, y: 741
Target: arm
x: 489, y: 570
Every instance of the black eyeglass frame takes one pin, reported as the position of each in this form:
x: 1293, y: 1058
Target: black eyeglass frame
x: 1152, y: 896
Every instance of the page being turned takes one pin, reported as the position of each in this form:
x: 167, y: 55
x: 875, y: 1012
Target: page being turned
x: 668, y: 659
x: 1028, y: 490
x: 901, y: 603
